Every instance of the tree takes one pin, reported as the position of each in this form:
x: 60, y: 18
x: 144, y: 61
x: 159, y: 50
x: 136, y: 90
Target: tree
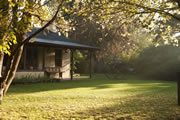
x: 17, y: 17
x: 160, y: 18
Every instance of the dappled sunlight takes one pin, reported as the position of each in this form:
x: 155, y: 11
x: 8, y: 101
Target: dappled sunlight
x: 100, y: 107
x: 93, y: 99
x: 114, y: 87
x: 139, y: 108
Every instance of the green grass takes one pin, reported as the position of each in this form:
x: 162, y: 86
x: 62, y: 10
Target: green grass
x: 99, y: 98
x: 83, y: 76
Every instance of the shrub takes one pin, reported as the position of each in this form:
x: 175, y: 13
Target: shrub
x: 161, y: 62
x: 81, y: 62
x: 30, y: 79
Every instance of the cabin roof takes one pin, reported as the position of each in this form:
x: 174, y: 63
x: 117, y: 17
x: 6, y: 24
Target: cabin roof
x: 52, y: 39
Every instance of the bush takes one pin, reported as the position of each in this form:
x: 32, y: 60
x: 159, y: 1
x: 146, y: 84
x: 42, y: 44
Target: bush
x: 30, y: 79
x: 161, y: 62
x: 81, y: 62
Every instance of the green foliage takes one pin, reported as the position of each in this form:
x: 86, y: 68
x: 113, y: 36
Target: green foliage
x: 82, y: 62
x: 14, y: 20
x: 129, y: 57
x: 141, y: 39
x: 29, y: 79
x: 19, y: 16
x: 98, y: 98
x: 162, y: 62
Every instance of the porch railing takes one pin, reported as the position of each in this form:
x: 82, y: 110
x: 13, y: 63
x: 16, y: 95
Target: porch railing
x: 56, y: 69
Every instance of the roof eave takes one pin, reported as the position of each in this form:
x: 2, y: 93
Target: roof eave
x: 64, y: 46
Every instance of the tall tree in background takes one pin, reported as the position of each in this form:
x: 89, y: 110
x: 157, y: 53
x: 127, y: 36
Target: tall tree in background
x: 106, y: 23
x: 113, y: 40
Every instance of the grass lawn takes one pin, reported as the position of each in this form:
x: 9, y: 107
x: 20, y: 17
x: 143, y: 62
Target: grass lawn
x: 99, y: 98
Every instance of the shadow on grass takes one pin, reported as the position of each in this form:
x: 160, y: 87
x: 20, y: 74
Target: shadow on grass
x: 135, y: 99
x: 135, y: 108
x: 99, y: 82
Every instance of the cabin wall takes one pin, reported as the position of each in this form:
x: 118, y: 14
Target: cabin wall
x: 40, y: 58
x: 48, y: 54
x: 66, y: 64
x: 49, y: 57
x: 50, y: 61
x: 33, y: 73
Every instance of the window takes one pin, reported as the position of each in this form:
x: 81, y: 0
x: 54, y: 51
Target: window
x: 58, y: 57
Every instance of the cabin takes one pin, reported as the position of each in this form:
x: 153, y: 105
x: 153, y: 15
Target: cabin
x: 50, y: 54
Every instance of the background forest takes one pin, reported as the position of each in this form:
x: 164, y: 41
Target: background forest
x: 129, y: 48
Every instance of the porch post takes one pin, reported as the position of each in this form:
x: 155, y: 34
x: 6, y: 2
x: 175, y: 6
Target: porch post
x: 44, y: 58
x: 72, y: 61
x: 90, y: 64
x: 24, y: 58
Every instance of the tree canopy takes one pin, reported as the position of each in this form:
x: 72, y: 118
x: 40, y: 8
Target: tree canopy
x: 18, y: 15
x: 159, y: 17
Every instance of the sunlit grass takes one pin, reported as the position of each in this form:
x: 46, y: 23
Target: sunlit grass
x: 99, y: 98
x: 81, y: 76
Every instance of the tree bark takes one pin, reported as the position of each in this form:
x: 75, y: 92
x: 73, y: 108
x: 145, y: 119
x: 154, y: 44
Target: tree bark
x: 13, y: 69
x: 7, y: 80
x: 1, y: 62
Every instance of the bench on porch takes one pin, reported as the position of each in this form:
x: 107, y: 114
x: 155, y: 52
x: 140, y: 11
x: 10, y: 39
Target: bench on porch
x: 53, y: 69
x: 56, y: 71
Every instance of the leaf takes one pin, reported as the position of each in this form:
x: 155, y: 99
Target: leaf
x: 7, y: 52
x: 14, y: 41
x: 12, y: 4
x: 13, y: 37
x: 21, y: 4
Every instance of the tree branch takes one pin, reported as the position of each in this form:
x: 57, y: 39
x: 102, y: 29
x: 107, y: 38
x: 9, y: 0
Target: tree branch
x: 152, y: 10
x: 36, y: 32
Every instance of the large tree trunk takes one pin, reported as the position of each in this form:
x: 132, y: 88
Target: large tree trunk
x: 1, y: 63
x: 11, y: 67
x: 6, y: 80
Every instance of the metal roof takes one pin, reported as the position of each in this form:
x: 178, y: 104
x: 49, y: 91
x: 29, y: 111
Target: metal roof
x: 53, y: 39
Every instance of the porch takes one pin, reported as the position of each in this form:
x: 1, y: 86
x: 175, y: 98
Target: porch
x: 54, y: 63
x: 51, y: 54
